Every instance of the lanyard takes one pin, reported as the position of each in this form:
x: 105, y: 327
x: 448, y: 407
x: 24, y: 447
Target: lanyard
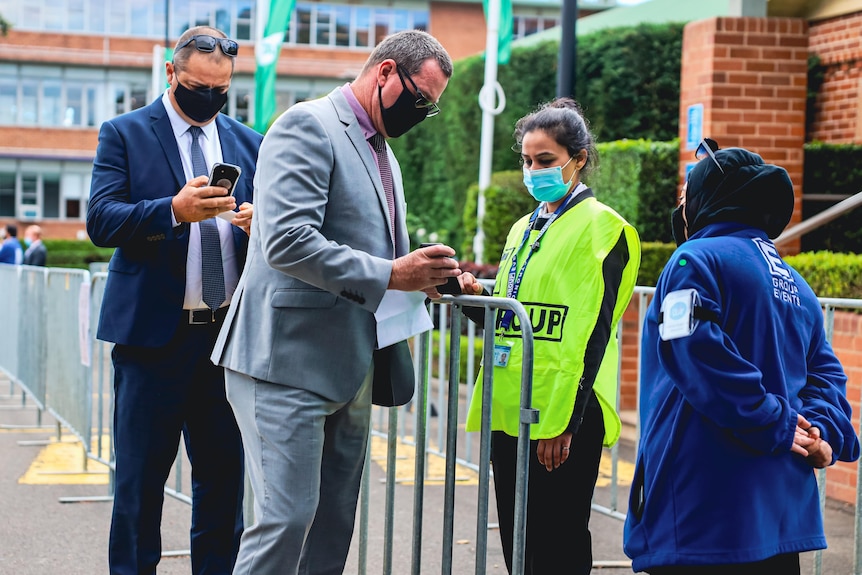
x: 515, y: 277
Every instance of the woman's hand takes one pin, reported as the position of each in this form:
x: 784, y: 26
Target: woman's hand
x: 468, y: 282
x: 553, y: 452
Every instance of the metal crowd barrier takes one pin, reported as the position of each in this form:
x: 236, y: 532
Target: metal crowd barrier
x: 51, y: 354
x: 448, y: 439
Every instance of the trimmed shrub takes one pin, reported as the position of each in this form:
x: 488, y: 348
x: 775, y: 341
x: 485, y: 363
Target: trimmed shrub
x: 830, y: 274
x: 74, y: 253
x: 638, y: 179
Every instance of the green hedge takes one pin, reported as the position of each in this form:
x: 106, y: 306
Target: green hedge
x: 830, y: 274
x: 73, y: 253
x: 639, y: 179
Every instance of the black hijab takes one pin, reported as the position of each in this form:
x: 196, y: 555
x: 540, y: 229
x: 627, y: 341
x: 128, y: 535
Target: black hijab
x: 749, y: 192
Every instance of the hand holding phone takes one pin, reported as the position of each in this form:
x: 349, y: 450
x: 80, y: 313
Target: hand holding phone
x: 452, y: 285
x: 225, y: 176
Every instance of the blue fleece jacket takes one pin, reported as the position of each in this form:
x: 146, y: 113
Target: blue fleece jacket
x: 715, y: 480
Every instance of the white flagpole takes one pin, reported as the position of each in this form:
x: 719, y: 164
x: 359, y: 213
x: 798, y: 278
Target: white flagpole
x: 490, y: 92
x: 158, y: 81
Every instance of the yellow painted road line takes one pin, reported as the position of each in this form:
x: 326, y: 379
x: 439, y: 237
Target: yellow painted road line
x: 63, y: 464
x: 436, y: 466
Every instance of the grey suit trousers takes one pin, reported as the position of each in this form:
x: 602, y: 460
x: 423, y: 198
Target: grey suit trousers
x: 303, y: 519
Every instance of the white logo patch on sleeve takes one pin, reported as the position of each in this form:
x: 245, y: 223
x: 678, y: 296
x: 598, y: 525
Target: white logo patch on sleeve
x: 677, y: 311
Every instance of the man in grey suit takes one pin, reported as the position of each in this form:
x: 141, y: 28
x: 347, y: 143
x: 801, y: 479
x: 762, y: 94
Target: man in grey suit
x: 329, y: 237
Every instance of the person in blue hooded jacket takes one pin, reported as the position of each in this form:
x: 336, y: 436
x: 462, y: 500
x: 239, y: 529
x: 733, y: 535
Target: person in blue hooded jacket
x: 741, y: 395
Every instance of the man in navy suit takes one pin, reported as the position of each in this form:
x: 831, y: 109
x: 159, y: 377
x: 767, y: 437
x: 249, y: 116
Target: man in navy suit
x: 151, y: 202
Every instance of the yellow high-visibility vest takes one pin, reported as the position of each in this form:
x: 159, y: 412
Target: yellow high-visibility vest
x: 561, y: 290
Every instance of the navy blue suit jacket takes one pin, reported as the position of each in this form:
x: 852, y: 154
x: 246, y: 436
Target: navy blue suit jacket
x: 136, y: 173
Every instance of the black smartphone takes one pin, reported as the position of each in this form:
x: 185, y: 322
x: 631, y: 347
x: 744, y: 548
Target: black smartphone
x: 225, y: 176
x: 451, y: 287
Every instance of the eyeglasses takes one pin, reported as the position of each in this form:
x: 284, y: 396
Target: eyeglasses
x: 708, y: 147
x: 206, y: 43
x: 431, y: 108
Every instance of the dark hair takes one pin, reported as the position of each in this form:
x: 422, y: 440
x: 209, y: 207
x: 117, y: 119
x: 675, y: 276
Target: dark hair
x: 12, y: 230
x: 563, y: 121
x: 181, y: 57
x: 410, y: 49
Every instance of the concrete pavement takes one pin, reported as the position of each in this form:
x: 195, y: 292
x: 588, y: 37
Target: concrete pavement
x: 39, y: 535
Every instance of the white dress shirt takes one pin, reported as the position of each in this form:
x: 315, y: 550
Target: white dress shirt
x: 211, y: 146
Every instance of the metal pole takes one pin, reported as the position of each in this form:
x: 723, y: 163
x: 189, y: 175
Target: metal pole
x: 820, y: 219
x: 567, y: 71
x: 486, y: 102
x: 167, y: 24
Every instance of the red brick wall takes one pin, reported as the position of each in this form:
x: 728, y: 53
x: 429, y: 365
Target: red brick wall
x: 459, y: 27
x: 750, y: 74
x: 49, y: 142
x: 836, y: 114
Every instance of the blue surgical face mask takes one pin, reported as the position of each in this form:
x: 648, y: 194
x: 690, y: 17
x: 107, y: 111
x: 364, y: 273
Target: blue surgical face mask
x: 546, y: 184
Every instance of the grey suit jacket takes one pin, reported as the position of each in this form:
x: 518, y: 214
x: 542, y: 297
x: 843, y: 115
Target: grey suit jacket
x: 319, y: 256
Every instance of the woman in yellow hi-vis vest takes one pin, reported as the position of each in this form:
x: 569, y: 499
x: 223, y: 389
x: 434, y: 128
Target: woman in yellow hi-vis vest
x: 573, y: 264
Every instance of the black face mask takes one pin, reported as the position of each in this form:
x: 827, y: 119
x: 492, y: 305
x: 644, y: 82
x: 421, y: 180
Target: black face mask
x: 403, y: 114
x: 678, y: 226
x: 200, y: 105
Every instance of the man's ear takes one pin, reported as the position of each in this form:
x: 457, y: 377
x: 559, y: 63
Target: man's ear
x: 169, y: 72
x: 385, y: 70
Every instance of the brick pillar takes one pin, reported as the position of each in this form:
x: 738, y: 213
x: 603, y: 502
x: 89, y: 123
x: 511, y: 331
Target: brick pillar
x: 750, y: 75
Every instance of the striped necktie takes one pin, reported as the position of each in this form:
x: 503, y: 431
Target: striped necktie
x: 378, y: 142
x: 212, y: 272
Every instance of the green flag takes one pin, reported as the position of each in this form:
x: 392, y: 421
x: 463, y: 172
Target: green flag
x: 266, y: 52
x: 504, y: 45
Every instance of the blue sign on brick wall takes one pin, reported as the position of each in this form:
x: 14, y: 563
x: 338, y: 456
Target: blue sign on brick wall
x: 694, y: 127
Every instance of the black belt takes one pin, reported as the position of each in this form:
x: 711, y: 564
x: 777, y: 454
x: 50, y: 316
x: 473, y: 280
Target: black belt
x: 204, y: 316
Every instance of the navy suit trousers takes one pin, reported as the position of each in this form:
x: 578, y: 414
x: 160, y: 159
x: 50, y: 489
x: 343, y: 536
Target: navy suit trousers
x: 159, y: 394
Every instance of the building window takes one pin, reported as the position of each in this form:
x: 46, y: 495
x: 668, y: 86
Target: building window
x: 51, y: 196
x: 7, y: 194
x: 37, y: 189
x: 338, y: 24
x: 242, y: 105
x: 347, y: 26
x: 51, y: 104
x: 243, y: 21
x: 52, y: 101
x: 29, y: 102
x: 8, y: 103
x: 526, y: 25
x: 362, y: 27
x: 29, y: 207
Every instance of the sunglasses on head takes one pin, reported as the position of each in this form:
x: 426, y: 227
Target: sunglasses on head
x: 431, y: 108
x: 708, y: 147
x: 206, y: 43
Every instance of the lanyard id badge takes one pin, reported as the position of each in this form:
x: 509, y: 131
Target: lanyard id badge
x: 515, y: 276
x: 502, y: 353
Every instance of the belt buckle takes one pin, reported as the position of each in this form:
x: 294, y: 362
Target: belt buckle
x: 201, y: 316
